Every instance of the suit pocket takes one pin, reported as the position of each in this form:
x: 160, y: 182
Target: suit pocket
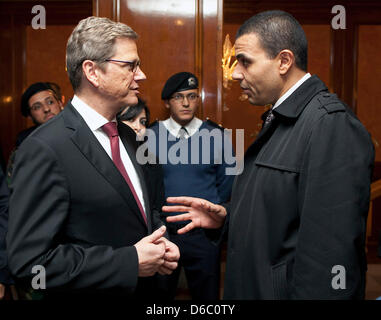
x: 279, y: 279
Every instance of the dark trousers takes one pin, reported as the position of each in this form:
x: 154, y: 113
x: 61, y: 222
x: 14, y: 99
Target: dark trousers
x: 201, y: 261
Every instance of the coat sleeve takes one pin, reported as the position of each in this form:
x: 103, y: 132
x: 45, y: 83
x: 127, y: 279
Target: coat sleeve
x: 224, y: 181
x: 334, y: 194
x: 5, y: 277
x: 39, y: 207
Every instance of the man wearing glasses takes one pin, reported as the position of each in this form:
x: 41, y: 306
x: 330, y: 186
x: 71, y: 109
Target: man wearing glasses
x: 41, y: 103
x: 80, y: 208
x: 191, y: 176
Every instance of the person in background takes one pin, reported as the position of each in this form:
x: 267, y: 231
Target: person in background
x: 199, y: 257
x: 137, y: 117
x: 40, y: 102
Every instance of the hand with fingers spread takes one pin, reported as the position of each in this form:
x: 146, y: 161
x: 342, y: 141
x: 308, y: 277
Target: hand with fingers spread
x: 202, y: 213
x: 171, y: 257
x: 151, y: 251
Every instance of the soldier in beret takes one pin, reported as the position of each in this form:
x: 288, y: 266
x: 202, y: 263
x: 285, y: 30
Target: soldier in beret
x: 199, y: 257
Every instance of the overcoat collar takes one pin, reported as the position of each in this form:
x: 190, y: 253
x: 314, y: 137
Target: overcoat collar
x: 293, y: 106
x: 290, y: 109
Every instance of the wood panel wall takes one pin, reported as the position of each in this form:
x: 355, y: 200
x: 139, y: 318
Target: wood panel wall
x: 175, y: 36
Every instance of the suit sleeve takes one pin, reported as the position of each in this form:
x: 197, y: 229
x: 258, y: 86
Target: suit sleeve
x: 39, y: 207
x: 5, y: 277
x: 334, y: 193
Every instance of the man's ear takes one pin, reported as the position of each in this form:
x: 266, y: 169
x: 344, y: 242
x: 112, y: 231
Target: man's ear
x: 91, y: 72
x: 286, y: 61
x: 166, y: 103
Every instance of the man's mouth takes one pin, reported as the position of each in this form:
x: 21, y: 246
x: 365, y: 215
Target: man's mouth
x: 135, y: 90
x: 49, y: 116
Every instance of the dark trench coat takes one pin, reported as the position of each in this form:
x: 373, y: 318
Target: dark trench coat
x: 298, y: 211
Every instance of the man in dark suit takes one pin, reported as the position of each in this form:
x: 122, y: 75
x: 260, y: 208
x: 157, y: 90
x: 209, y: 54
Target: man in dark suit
x: 297, y: 216
x: 80, y: 213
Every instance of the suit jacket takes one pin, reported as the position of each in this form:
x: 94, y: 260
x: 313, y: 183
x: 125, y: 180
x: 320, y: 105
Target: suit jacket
x: 4, y: 199
x: 72, y: 212
x: 298, y: 211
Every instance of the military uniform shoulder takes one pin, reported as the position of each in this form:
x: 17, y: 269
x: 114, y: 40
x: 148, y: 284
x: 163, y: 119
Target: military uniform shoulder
x: 212, y: 124
x: 330, y: 102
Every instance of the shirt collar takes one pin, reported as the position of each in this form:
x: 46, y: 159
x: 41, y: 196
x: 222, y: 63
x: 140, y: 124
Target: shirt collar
x: 291, y: 90
x: 297, y: 101
x: 93, y: 119
x: 173, y: 127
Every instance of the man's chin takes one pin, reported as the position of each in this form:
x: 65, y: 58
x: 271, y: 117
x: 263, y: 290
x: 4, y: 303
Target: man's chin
x: 132, y: 100
x: 256, y: 102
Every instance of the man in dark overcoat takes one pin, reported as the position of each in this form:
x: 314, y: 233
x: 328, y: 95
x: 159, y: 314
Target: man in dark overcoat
x: 296, y: 221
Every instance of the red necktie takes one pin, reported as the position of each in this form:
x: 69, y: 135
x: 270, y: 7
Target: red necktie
x: 112, y: 132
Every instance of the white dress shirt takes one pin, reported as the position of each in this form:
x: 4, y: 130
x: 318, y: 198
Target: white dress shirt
x: 174, y: 128
x: 291, y: 90
x: 95, y: 121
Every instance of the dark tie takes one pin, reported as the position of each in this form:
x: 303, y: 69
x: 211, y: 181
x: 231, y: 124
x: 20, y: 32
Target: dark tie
x: 112, y: 132
x: 182, y: 133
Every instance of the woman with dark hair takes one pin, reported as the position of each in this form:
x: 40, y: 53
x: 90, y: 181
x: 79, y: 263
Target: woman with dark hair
x: 136, y: 116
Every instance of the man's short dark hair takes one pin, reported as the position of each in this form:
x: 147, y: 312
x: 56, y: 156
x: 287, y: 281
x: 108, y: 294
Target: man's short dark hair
x: 278, y: 30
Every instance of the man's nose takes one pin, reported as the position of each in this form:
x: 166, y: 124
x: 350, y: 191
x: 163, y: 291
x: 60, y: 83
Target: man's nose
x: 237, y: 74
x: 185, y: 101
x: 139, y: 75
x: 46, y: 107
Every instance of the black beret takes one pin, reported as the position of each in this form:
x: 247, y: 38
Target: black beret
x: 28, y: 93
x: 179, y: 82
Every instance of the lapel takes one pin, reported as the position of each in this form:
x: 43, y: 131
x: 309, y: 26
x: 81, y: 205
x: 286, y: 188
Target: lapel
x: 93, y: 151
x: 128, y: 137
x: 289, y: 110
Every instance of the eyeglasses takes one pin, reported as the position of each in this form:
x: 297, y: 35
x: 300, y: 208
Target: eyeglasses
x: 133, y: 64
x: 38, y: 105
x: 180, y: 97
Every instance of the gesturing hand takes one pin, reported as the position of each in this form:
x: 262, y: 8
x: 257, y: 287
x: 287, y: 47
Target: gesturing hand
x: 202, y: 213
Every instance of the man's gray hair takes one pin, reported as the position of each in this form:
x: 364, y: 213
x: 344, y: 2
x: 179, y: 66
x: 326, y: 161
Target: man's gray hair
x: 93, y: 39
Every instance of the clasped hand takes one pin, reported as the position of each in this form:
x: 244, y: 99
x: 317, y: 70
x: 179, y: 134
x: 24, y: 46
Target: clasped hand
x: 156, y: 254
